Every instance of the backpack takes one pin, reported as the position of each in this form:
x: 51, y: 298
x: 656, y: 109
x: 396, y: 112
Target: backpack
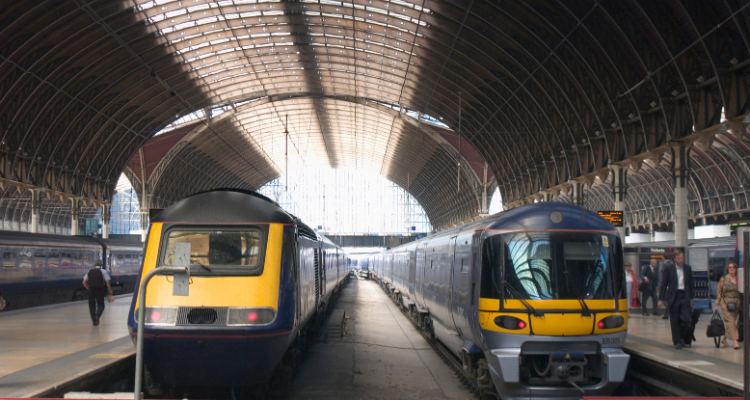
x: 96, y: 279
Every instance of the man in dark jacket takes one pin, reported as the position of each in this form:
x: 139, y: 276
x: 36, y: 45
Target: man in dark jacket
x: 677, y: 291
x: 664, y: 261
x: 648, y: 286
x: 96, y: 281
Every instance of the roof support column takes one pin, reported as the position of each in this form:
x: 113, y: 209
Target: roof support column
x: 106, y: 215
x: 485, y: 211
x: 577, y: 195
x: 620, y: 191
x: 680, y: 177
x: 36, y: 206
x: 75, y: 211
x: 548, y: 196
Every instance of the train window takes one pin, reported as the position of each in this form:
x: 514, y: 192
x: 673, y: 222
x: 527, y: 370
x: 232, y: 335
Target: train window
x: 40, y: 258
x: 225, y: 251
x: 53, y: 258
x: 76, y: 259
x: 66, y: 259
x: 88, y: 259
x: 25, y: 258
x: 9, y: 259
x: 547, y: 265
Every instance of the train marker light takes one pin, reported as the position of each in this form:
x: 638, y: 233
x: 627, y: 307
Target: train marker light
x: 521, y: 324
x: 252, y: 317
x: 611, y: 322
x: 155, y: 316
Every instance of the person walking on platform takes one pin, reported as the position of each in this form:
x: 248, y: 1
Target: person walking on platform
x: 648, y: 286
x: 728, y: 298
x: 677, y: 290
x: 96, y: 281
x: 664, y: 261
x: 630, y: 282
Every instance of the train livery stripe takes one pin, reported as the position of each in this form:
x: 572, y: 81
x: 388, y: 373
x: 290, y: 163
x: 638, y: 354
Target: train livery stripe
x: 230, y: 291
x: 486, y: 304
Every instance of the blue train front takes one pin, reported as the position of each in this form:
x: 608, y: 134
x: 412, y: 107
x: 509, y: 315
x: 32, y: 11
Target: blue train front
x: 241, y: 314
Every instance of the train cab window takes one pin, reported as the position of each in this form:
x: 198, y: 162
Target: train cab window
x: 218, y: 252
x: 77, y: 259
x: 25, y: 259
x: 66, y: 259
x: 40, y: 258
x: 550, y: 266
x: 53, y: 258
x: 9, y: 259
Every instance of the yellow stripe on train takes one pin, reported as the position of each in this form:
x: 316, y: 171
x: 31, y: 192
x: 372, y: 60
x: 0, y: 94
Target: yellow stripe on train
x: 230, y: 291
x: 552, y: 324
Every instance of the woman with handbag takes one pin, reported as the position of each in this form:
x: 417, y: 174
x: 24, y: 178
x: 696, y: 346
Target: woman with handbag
x: 728, y: 298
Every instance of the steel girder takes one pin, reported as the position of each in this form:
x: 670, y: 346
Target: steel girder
x: 550, y: 90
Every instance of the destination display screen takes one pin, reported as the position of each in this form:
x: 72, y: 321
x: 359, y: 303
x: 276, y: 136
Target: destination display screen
x: 614, y: 217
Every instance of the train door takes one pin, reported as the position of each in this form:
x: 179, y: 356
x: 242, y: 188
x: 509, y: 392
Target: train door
x: 323, y: 282
x: 412, y: 260
x: 316, y: 269
x: 451, y: 261
x: 420, y: 273
x: 462, y: 273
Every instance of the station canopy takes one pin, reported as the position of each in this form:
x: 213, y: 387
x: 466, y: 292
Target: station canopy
x: 430, y: 94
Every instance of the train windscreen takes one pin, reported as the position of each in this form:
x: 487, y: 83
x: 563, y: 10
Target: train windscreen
x: 217, y: 251
x: 545, y: 265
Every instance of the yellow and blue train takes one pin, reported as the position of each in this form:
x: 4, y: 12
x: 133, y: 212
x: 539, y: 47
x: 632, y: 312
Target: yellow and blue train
x: 530, y: 301
x: 258, y: 276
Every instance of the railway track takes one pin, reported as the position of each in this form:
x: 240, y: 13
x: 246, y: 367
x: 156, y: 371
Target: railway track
x: 471, y: 379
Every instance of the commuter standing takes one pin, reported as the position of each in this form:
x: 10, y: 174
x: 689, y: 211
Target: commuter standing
x: 677, y: 290
x: 649, y: 275
x: 630, y: 282
x: 728, y: 298
x: 664, y: 261
x: 96, y: 281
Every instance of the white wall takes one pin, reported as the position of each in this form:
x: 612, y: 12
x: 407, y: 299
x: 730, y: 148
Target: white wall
x: 637, y: 238
x: 712, y: 231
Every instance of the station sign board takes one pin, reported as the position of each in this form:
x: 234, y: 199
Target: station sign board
x: 614, y: 217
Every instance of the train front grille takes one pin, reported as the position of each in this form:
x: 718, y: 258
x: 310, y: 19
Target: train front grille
x: 202, y: 316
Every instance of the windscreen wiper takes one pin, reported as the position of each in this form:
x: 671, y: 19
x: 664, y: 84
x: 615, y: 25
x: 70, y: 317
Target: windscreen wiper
x: 584, y: 307
x: 526, y: 304
x: 201, y: 265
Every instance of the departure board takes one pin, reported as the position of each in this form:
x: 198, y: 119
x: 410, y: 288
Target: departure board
x: 614, y: 217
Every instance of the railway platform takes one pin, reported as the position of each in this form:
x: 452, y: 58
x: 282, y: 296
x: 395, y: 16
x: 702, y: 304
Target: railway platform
x: 45, y: 350
x: 48, y: 351
x: 695, y: 369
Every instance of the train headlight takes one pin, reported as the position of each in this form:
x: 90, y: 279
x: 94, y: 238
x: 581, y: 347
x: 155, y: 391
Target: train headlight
x: 611, y: 322
x: 160, y: 316
x: 238, y: 316
x: 510, y: 322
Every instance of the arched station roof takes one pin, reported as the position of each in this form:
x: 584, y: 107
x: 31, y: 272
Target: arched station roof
x: 548, y: 91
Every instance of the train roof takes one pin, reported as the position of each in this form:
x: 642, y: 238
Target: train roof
x: 18, y: 238
x: 539, y: 217
x: 225, y: 206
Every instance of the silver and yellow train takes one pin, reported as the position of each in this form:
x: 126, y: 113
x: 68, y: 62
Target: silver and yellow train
x: 530, y: 301
x: 258, y: 276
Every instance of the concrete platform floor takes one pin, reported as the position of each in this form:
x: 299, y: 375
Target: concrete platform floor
x: 382, y: 356
x: 650, y: 337
x: 33, y: 336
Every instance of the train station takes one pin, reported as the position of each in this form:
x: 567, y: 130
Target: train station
x: 374, y: 199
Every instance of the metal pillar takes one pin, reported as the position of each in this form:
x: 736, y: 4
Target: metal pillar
x: 620, y: 191
x: 577, y: 196
x: 680, y: 177
x: 36, y: 206
x: 485, y: 206
x: 106, y: 215
x: 75, y: 211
